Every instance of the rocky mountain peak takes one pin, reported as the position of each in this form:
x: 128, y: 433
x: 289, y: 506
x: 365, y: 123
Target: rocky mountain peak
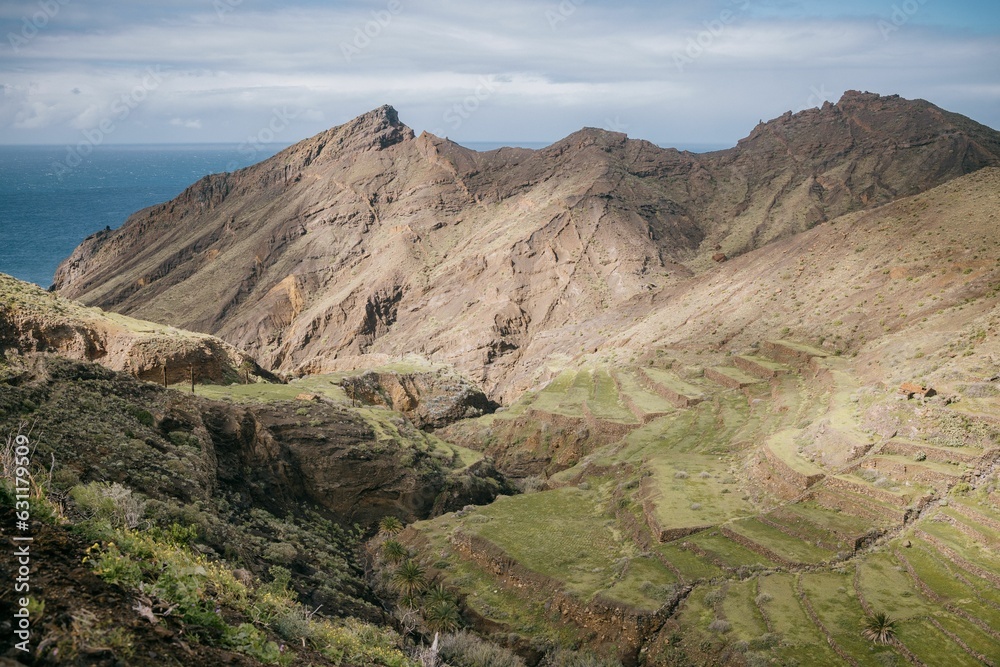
x: 365, y: 240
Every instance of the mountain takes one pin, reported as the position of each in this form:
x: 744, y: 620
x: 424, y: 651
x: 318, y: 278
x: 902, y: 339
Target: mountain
x: 751, y: 405
x: 368, y: 240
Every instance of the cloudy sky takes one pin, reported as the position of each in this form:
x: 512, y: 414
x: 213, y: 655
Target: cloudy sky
x: 677, y: 73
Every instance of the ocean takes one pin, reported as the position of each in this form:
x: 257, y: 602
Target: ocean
x: 49, y: 203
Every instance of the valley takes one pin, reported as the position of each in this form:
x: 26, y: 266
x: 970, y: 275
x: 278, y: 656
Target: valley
x: 598, y: 404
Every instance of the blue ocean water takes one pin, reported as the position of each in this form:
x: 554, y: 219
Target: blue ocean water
x: 47, y: 207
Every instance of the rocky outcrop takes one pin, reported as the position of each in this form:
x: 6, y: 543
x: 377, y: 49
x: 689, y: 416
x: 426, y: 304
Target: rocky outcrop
x: 34, y: 321
x: 429, y: 400
x: 502, y: 258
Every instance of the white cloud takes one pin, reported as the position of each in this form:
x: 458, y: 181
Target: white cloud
x: 229, y: 74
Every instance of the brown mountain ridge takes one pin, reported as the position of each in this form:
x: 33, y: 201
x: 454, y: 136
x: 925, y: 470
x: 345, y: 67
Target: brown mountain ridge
x: 369, y: 240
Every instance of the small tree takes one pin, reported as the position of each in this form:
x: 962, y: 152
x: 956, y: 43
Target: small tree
x: 409, y: 579
x: 390, y: 525
x: 394, y: 552
x: 443, y: 616
x: 879, y: 628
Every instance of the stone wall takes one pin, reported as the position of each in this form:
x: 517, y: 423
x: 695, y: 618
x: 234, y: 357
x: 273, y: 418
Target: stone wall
x: 910, y: 471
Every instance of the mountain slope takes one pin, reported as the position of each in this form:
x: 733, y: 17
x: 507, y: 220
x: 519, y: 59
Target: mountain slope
x: 368, y: 240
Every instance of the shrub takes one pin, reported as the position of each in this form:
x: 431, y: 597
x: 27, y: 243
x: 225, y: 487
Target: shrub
x: 111, y: 502
x: 464, y: 649
x: 681, y: 474
x: 879, y: 628
x: 719, y: 626
x: 920, y: 456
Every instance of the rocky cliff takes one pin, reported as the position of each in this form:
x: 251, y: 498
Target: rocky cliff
x: 35, y: 321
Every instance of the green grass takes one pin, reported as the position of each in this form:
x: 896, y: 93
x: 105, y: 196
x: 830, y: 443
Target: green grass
x: 691, y: 566
x: 604, y: 402
x: 730, y: 553
x: 832, y: 597
x: 786, y: 546
x: 670, y: 380
x: 564, y: 395
x: 801, y: 639
x: 784, y: 446
x: 321, y: 385
x: 932, y: 646
x: 826, y: 522
x: 518, y: 610
x: 566, y: 535
x: 741, y: 611
x: 643, y: 399
x: 885, y: 585
x: 963, y: 545
x: 976, y: 639
x: 939, y: 578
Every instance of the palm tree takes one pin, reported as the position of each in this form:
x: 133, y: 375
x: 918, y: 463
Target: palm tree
x: 390, y: 525
x: 438, y: 593
x: 879, y: 628
x: 443, y: 616
x: 409, y: 579
x: 394, y: 552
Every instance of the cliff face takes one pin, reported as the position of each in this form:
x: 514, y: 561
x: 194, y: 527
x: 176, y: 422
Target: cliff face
x: 34, y: 321
x: 366, y: 239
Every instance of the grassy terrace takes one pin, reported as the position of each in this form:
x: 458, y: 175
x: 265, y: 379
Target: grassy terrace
x: 940, y: 576
x: 670, y: 380
x: 802, y: 641
x: 727, y: 552
x: 949, y: 469
x: 784, y: 446
x: 827, y: 521
x: 786, y: 546
x: 604, y: 402
x: 764, y: 362
x: 736, y: 374
x: 584, y: 548
x: 516, y: 609
x: 645, y: 400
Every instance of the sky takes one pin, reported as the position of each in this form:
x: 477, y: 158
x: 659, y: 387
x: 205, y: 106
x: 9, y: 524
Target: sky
x: 678, y: 73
